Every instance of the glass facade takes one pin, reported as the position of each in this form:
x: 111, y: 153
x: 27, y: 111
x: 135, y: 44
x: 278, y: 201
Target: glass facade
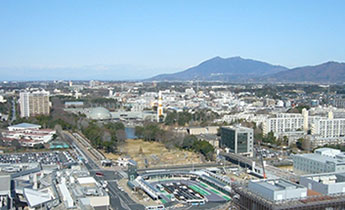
x: 242, y: 142
x: 238, y: 140
x: 228, y: 138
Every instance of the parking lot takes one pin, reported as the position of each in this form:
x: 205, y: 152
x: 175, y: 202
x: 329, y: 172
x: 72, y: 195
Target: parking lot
x: 45, y: 158
x: 182, y: 192
x: 199, y: 190
x: 271, y: 153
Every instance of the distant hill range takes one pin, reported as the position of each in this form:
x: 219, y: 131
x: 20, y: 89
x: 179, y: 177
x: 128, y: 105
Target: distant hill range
x: 237, y: 69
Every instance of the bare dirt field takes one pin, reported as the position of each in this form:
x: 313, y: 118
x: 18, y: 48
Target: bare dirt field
x: 110, y: 156
x: 156, y: 154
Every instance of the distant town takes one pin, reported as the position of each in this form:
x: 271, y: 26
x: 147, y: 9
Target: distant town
x: 171, y: 145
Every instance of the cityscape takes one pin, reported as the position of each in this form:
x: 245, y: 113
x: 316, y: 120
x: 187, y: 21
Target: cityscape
x: 113, y: 105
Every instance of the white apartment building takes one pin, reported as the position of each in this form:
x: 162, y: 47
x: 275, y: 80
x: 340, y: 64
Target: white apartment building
x: 283, y: 123
x: 34, y: 103
x: 329, y: 128
x: 322, y: 127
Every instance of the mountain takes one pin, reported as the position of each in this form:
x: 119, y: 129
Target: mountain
x: 224, y: 69
x: 330, y: 72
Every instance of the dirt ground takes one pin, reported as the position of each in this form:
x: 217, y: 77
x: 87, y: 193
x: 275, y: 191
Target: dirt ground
x: 110, y: 156
x: 287, y: 168
x: 157, y: 155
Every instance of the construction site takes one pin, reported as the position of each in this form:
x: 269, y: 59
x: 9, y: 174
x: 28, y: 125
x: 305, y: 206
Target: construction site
x: 248, y: 199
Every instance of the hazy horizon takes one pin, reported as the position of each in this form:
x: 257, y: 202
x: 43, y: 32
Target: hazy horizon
x: 121, y: 40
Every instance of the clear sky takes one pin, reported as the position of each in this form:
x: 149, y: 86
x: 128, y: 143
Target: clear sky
x: 134, y: 39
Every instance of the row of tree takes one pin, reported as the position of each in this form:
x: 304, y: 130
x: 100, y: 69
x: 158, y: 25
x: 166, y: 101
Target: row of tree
x: 105, y: 136
x: 191, y: 142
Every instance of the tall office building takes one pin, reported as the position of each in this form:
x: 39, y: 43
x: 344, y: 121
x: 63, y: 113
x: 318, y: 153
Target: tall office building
x: 34, y: 103
x: 238, y: 139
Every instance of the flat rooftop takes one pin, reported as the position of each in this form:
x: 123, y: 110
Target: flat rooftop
x: 5, y: 186
x: 277, y: 184
x: 238, y: 128
x: 25, y: 125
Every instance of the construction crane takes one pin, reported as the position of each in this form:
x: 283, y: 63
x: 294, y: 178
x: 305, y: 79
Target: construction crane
x: 261, y: 159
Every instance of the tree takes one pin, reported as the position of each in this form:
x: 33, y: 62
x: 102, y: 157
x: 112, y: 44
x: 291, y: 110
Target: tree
x: 109, y: 146
x: 16, y: 144
x: 204, y: 148
x: 299, y: 143
x: 188, y: 142
x: 270, y: 138
x: 286, y: 140
x: 171, y: 117
x: 38, y: 146
x: 121, y: 136
x: 141, y: 151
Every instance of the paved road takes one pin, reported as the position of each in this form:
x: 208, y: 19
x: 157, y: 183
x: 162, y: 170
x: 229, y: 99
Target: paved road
x: 182, y: 167
x: 14, y: 116
x: 118, y: 200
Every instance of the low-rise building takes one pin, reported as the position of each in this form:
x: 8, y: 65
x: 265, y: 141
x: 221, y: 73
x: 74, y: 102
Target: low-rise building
x: 202, y: 130
x: 277, y: 189
x: 326, y: 183
x: 280, y: 194
x: 323, y: 160
x: 28, y: 135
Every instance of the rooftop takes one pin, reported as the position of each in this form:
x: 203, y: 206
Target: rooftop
x: 238, y: 128
x: 325, y: 156
x: 277, y: 184
x: 25, y: 125
x: 5, y: 186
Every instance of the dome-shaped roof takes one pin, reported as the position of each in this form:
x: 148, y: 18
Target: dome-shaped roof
x: 99, y: 113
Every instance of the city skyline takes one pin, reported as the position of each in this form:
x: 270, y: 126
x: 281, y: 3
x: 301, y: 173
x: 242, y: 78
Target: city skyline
x: 134, y: 40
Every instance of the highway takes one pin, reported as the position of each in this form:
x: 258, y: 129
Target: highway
x: 118, y: 200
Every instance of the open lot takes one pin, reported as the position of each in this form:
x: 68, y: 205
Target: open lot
x: 156, y: 154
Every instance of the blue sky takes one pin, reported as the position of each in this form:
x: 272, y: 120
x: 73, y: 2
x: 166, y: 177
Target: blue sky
x: 81, y: 39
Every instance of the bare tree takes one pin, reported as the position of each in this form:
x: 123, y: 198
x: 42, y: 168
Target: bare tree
x: 121, y: 136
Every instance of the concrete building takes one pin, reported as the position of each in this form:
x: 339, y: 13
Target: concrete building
x: 34, y: 103
x: 279, y: 194
x: 81, y: 191
x: 28, y: 135
x: 238, y: 139
x: 339, y: 102
x: 323, y: 160
x: 277, y: 189
x: 2, y: 100
x: 329, y: 128
x: 326, y: 183
x: 202, y: 130
x: 5, y: 192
